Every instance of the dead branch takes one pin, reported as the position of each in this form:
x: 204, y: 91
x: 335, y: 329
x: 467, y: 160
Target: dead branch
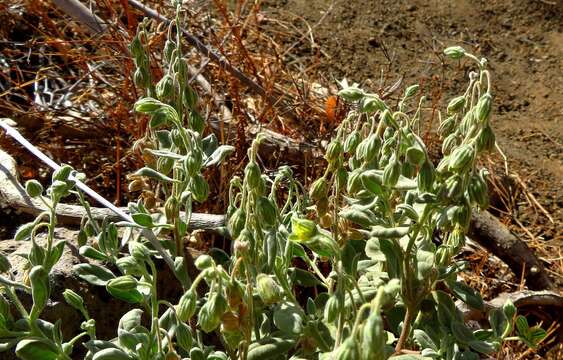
x: 496, y: 238
x: 81, y: 14
x: 12, y: 194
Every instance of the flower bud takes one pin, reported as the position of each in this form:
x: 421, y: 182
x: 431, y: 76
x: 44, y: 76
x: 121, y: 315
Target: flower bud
x: 449, y: 143
x: 426, y: 177
x: 169, y: 47
x: 33, y: 188
x: 184, y: 336
x: 484, y: 107
x: 456, y: 104
x: 236, y: 223
x: 388, y: 119
x: 252, y: 174
x: 509, y: 309
x: 374, y: 337
x: 147, y: 105
x: 454, y: 187
x: 333, y: 151
x: 372, y: 103
x: 319, y: 189
x: 209, y: 317
x: 455, y: 52
x: 486, y: 139
x: 392, y: 172
x: 348, y: 350
x: 351, y: 93
x: 165, y: 87
x: 415, y: 155
x: 447, y: 126
x: 332, y: 309
x: 268, y: 289
x: 122, y: 283
x: 186, y: 305
x: 351, y: 142
x: 461, y: 157
x: 73, y: 299
x: 266, y: 212
x: 129, y: 265
x: 199, y: 188
x: 139, y: 251
x: 411, y: 91
x: 140, y: 78
x: 203, y: 262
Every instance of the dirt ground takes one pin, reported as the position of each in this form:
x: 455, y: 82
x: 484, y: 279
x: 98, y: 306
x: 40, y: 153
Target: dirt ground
x: 377, y: 42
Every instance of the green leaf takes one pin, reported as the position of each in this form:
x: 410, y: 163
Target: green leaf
x: 36, y: 348
x: 462, y: 333
x: 39, y: 278
x: 111, y: 354
x: 425, y: 263
x: 166, y: 154
x: 303, y: 278
x: 287, y: 318
x: 393, y: 257
x: 522, y: 326
x: 130, y: 320
x: 7, y: 344
x: 153, y: 174
x: 131, y: 296
x: 537, y: 334
x: 482, y: 347
x: 498, y: 322
x: 424, y: 340
x: 357, y: 217
x: 92, y: 253
x: 219, y: 155
x: 56, y: 253
x: 24, y: 231
x: 94, y: 274
x: 209, y: 144
x: 467, y: 294
x: 143, y: 219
